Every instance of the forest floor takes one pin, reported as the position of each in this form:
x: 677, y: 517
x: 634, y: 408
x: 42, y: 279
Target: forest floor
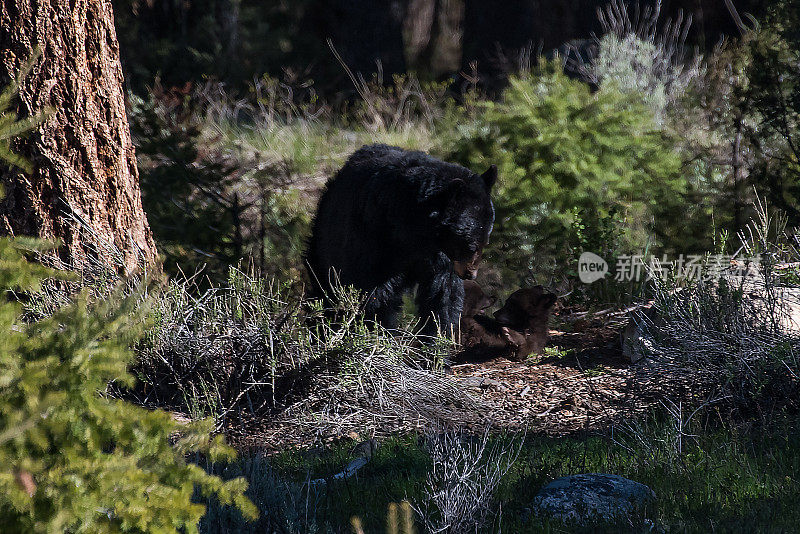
x: 582, y: 383
x: 726, y: 477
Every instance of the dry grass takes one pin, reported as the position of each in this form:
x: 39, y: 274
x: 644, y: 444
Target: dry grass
x: 256, y: 358
x: 458, y: 497
x: 732, y: 341
x: 279, y: 128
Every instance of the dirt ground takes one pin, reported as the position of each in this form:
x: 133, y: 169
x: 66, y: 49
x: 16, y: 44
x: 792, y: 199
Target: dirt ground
x: 583, y: 383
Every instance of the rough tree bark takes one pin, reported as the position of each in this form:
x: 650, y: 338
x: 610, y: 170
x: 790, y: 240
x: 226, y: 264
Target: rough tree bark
x: 85, y: 186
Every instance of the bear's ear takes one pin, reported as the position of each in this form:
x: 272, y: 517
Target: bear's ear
x: 490, y: 177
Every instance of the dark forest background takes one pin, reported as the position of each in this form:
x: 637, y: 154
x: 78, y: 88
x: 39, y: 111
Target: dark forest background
x: 618, y: 127
x: 233, y: 41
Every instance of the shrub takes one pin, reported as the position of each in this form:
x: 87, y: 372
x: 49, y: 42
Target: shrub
x: 195, y: 214
x: 773, y: 97
x: 640, y: 55
x: 74, y: 459
x: 459, y: 493
x: 734, y: 341
x: 246, y: 352
x: 224, y: 350
x: 286, y: 506
x: 11, y: 126
x: 578, y: 171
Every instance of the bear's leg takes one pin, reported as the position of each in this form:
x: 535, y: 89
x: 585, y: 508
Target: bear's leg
x: 385, y: 301
x: 440, y: 297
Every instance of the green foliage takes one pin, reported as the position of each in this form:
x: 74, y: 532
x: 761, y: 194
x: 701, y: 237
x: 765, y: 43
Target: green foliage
x: 74, y: 460
x: 16, y: 273
x: 11, y: 126
x: 195, y: 217
x: 721, y: 478
x: 773, y: 97
x: 627, y: 61
x: 640, y: 54
x: 578, y: 171
x: 644, y: 67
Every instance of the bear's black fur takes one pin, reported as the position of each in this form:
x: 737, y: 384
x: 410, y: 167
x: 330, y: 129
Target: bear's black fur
x: 393, y: 219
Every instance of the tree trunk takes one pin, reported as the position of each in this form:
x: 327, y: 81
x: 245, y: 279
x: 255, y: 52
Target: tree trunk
x: 419, y: 27
x: 84, y: 190
x: 432, y: 36
x: 426, y: 55
x: 228, y: 13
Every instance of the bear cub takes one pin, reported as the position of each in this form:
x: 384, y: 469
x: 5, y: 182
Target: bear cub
x: 392, y: 220
x: 518, y: 329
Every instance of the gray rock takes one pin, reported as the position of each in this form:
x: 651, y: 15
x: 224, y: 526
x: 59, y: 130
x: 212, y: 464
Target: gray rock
x: 639, y: 339
x: 637, y: 343
x: 590, y: 498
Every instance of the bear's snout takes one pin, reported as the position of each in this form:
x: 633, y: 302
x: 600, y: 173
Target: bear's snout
x: 468, y: 270
x: 464, y: 271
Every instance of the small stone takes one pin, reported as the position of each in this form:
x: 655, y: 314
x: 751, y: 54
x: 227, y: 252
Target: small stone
x: 490, y: 382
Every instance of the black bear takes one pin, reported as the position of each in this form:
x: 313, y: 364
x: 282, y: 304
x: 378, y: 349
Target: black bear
x: 393, y: 219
